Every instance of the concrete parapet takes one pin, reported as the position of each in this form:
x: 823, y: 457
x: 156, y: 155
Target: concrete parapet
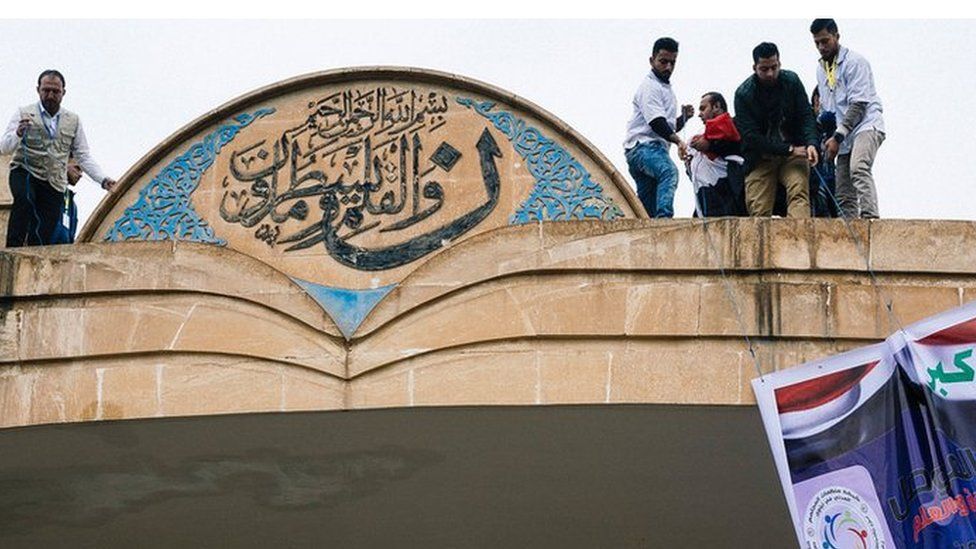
x: 631, y: 311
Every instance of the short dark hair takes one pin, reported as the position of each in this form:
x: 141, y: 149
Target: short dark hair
x: 764, y: 50
x: 51, y: 72
x: 821, y: 24
x: 715, y: 97
x: 666, y: 44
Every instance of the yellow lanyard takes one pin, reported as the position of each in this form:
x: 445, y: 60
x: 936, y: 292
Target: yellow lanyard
x: 831, y: 70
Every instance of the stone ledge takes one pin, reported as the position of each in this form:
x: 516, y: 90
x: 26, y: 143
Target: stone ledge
x: 560, y: 313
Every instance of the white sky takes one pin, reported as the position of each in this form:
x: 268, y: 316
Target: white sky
x: 134, y: 82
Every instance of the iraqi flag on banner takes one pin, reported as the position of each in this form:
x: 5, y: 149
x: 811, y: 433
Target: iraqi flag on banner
x: 940, y: 350
x: 875, y: 447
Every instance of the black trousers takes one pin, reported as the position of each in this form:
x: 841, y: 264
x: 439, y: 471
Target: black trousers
x: 727, y: 197
x: 35, y: 218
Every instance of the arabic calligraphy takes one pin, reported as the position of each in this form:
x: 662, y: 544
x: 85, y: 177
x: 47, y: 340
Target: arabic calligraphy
x: 942, y: 511
x: 964, y: 373
x: 163, y: 210
x: 564, y: 189
x: 360, y: 163
x: 924, y: 484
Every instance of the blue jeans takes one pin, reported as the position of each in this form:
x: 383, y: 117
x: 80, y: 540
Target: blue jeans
x: 656, y: 177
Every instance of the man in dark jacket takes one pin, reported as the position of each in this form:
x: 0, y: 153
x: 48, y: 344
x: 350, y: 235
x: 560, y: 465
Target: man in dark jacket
x: 779, y: 135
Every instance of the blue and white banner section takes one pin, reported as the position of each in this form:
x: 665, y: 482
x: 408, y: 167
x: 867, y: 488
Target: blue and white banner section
x: 876, y: 448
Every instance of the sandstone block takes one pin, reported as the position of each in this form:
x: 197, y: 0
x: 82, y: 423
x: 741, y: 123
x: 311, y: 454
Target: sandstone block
x: 129, y: 391
x: 302, y: 390
x: 575, y: 375
x: 383, y: 389
x: 855, y: 311
x: 913, y: 303
x: 689, y: 371
x: 720, y: 302
x: 476, y: 378
x: 220, y: 386
x: 923, y: 246
x: 659, y: 308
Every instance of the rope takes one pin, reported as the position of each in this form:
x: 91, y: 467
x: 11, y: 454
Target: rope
x: 727, y: 284
x: 885, y: 296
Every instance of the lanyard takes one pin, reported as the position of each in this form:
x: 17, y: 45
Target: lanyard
x: 831, y: 70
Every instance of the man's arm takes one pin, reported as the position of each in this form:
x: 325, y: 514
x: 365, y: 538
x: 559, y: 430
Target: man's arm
x: 10, y: 139
x: 853, y: 116
x: 860, y: 91
x: 723, y: 147
x: 661, y: 127
x: 74, y: 173
x: 82, y: 154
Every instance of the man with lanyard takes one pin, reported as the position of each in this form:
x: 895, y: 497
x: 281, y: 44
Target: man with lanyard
x: 651, y: 130
x: 42, y: 136
x: 846, y: 88
x: 779, y: 136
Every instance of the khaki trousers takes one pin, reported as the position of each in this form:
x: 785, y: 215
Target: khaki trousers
x: 856, y: 193
x: 792, y: 171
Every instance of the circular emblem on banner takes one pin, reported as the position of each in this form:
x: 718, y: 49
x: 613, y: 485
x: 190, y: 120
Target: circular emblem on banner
x: 839, y: 518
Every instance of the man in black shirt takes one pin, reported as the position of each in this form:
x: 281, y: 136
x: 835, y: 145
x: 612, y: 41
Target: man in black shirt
x: 779, y: 135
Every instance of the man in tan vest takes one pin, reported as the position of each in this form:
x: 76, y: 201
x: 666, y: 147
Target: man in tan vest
x: 42, y: 137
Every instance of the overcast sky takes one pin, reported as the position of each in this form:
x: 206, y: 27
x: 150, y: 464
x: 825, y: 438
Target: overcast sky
x: 135, y: 82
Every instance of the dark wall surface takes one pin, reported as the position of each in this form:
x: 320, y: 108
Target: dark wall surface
x: 583, y: 476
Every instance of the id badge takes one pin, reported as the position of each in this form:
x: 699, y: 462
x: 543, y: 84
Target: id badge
x: 65, y: 211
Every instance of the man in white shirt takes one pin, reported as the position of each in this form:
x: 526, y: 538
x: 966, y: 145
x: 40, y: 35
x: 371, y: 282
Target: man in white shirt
x: 846, y: 87
x: 42, y: 137
x: 651, y: 130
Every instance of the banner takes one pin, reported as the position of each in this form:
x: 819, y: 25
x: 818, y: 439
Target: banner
x: 876, y: 448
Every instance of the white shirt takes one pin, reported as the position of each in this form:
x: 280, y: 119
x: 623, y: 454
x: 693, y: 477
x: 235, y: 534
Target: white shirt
x: 79, y: 147
x: 706, y: 172
x: 855, y: 84
x: 653, y: 99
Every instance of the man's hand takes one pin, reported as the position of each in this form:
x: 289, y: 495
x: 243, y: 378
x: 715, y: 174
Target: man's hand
x: 22, y: 126
x: 831, y: 146
x: 109, y: 184
x: 812, y: 156
x: 699, y: 143
x: 74, y: 174
x: 683, y: 150
x: 687, y: 112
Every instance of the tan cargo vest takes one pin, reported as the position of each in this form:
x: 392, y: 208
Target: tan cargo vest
x: 43, y: 156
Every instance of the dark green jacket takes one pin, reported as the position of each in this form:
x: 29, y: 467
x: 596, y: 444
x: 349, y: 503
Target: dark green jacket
x: 770, y: 129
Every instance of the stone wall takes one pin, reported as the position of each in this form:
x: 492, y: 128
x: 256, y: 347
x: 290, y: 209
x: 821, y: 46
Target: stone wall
x: 633, y: 311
